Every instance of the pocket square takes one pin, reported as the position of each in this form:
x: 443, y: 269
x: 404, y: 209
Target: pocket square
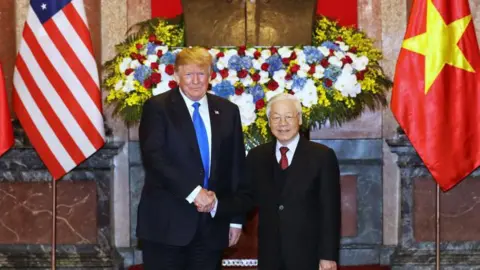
x: 216, y: 112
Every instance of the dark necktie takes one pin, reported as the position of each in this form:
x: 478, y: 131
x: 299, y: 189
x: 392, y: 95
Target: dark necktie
x: 283, y: 158
x: 202, y: 140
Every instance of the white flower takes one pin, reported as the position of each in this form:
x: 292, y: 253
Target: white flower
x: 308, y: 95
x: 340, y: 55
x: 232, y: 76
x: 129, y: 86
x: 301, y: 58
x: 265, y: 54
x: 324, y: 50
x: 246, y: 107
x: 119, y: 85
x: 134, y: 64
x: 247, y: 81
x: 162, y: 87
x: 213, y: 52
x: 288, y: 84
x: 342, y: 45
x: 318, y: 72
x: 347, y: 82
x: 333, y: 60
x: 301, y: 74
x: 360, y: 63
x: 257, y: 64
x: 218, y: 79
x: 125, y: 64
x: 164, y: 49
x: 250, y: 52
x: 285, y: 52
x: 264, y: 77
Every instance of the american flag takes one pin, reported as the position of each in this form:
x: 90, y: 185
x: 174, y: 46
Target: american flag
x: 56, y: 91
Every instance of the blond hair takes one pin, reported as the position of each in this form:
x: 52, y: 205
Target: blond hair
x: 193, y: 56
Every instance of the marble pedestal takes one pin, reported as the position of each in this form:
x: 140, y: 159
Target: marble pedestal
x: 459, y: 216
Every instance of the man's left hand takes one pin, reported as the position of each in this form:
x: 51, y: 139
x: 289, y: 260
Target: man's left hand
x: 233, y: 236
x: 327, y: 265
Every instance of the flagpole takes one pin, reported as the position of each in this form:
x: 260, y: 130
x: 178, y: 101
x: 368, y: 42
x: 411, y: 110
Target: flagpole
x: 54, y: 223
x: 437, y: 229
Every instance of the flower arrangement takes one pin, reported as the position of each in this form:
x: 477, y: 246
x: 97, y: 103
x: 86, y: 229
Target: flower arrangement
x: 335, y: 78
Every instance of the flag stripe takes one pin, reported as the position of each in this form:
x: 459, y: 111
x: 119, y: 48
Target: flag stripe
x: 43, y: 133
x: 51, y: 103
x: 79, y: 24
x: 36, y: 139
x: 71, y: 58
x: 74, y: 100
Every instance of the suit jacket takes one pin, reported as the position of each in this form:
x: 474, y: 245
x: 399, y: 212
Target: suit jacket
x: 173, y: 169
x: 300, y: 222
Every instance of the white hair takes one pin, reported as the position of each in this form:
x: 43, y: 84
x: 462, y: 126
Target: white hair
x: 285, y: 96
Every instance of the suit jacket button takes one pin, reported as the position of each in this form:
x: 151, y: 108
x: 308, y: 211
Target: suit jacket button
x: 280, y: 207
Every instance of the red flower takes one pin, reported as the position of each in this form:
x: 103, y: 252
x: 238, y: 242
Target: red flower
x: 128, y: 71
x: 242, y: 74
x: 136, y: 267
x: 293, y: 56
x: 159, y: 53
x: 147, y: 83
x: 154, y: 65
x: 220, y: 54
x: 295, y: 68
x: 213, y: 75
x: 239, y: 91
x: 286, y: 61
x: 256, y: 77
x: 291, y: 92
x: 353, y: 50
x: 347, y: 60
x: 257, y: 54
x: 328, y: 82
x: 133, y: 55
x: 158, y: 42
x: 288, y: 77
x: 360, y: 75
x: 224, y: 73
x: 241, y: 50
x: 273, y: 50
x: 339, y: 39
x: 272, y: 85
x: 265, y: 66
x: 311, y: 71
x: 156, y: 78
x: 169, y: 69
x: 172, y: 84
x: 152, y: 38
x: 324, y: 63
x: 259, y: 104
x: 139, y: 46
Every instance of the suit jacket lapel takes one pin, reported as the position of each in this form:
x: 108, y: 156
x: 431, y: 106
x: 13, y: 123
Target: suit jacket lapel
x: 297, y: 167
x: 183, y: 121
x: 215, y: 125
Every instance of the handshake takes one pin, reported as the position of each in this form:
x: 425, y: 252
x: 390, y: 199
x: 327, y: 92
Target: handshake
x: 205, y: 200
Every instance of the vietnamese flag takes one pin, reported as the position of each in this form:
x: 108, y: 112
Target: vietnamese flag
x: 436, y: 94
x: 6, y: 130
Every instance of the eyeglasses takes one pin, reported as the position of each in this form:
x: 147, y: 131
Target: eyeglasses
x: 277, y: 119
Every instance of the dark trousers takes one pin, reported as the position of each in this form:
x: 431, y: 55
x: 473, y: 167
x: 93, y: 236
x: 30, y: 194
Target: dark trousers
x: 195, y: 256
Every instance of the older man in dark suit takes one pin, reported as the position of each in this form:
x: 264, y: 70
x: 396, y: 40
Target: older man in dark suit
x: 193, y: 153
x: 295, y: 184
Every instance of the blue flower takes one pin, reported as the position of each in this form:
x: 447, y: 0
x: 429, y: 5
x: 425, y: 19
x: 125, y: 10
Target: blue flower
x: 332, y: 73
x: 235, y: 63
x: 247, y: 62
x: 275, y: 63
x: 298, y: 82
x: 331, y: 45
x: 257, y: 92
x: 224, y: 89
x: 151, y: 48
x: 312, y: 54
x: 168, y: 58
x: 141, y: 73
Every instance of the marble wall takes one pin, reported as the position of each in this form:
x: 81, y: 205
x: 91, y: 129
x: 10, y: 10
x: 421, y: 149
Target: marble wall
x: 372, y: 178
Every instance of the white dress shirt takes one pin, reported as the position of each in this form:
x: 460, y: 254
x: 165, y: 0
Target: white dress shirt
x: 292, y: 146
x: 205, y: 114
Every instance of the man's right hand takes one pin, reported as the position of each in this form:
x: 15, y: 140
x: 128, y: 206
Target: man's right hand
x: 205, y: 200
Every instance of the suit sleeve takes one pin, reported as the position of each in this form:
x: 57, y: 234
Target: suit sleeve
x: 152, y: 142
x: 237, y: 205
x: 329, y: 202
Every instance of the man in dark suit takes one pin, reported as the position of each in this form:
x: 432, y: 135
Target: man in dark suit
x: 193, y: 153
x: 295, y: 184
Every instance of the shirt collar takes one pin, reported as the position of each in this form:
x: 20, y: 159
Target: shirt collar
x: 291, y: 145
x: 203, y: 101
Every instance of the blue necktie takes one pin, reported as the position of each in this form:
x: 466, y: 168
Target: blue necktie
x: 202, y: 140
